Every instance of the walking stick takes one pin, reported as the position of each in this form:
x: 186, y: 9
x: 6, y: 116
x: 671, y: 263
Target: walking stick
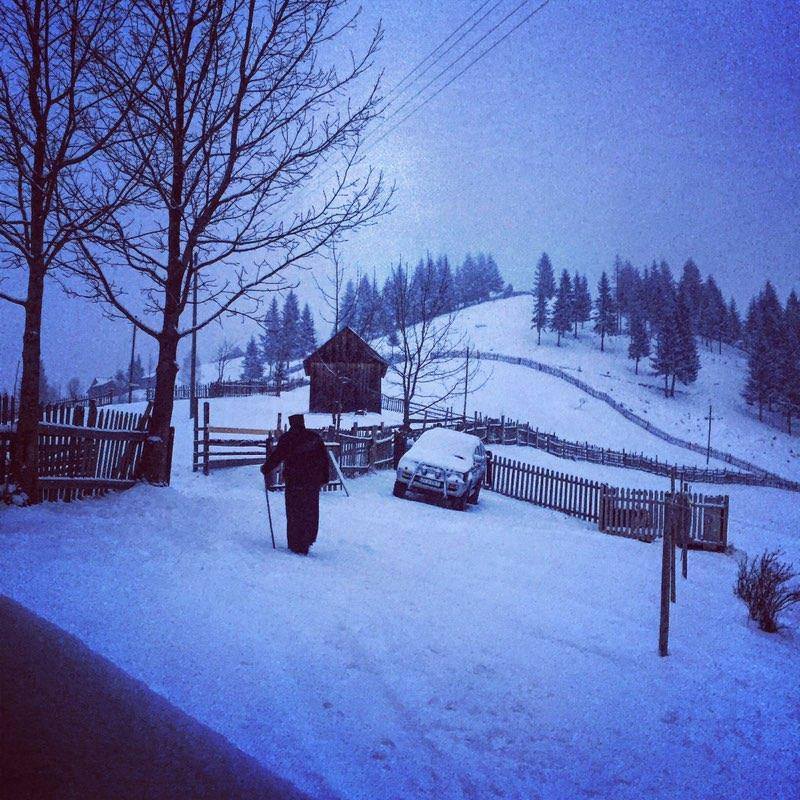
x: 269, y: 513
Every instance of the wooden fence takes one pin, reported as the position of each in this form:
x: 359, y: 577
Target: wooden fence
x: 633, y: 513
x: 83, y: 451
x: 502, y: 431
x: 232, y: 389
x: 357, y: 450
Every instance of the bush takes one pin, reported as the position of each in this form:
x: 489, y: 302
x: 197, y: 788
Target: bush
x: 763, y: 584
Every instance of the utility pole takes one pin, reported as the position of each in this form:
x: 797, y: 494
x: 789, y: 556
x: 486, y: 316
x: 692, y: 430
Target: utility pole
x: 130, y: 366
x: 708, y: 444
x: 466, y: 387
x: 193, y: 367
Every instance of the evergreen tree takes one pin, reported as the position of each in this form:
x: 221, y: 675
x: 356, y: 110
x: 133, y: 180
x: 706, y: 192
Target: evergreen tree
x: 733, y: 324
x: 468, y: 281
x: 271, y: 338
x: 492, y: 279
x: 627, y: 291
x: 604, y: 320
x: 639, y: 346
x: 290, y: 328
x: 582, y: 306
x: 562, y: 308
x: 712, y: 315
x: 665, y: 356
x: 252, y: 368
x: 137, y: 373
x: 349, y: 306
x: 308, y: 336
x: 690, y: 287
x: 446, y: 282
x: 364, y: 314
x: 767, y: 353
x: 660, y: 285
x: 544, y: 287
x: 687, y: 361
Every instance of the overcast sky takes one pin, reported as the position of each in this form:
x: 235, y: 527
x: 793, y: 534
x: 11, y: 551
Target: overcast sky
x: 652, y: 130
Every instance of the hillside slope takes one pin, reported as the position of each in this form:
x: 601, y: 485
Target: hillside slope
x: 503, y: 326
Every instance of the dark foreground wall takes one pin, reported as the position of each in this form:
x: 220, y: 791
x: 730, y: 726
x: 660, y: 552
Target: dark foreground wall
x: 73, y: 725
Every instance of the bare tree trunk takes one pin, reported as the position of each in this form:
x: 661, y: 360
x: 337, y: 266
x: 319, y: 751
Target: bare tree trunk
x: 154, y: 456
x: 25, y: 462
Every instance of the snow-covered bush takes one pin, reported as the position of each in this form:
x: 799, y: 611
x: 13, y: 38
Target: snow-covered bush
x: 763, y: 584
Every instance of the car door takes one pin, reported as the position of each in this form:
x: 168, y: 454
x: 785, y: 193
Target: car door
x: 479, y: 464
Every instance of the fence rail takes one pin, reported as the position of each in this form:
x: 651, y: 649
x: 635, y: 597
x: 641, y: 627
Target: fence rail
x: 357, y: 450
x: 639, y: 514
x: 633, y: 513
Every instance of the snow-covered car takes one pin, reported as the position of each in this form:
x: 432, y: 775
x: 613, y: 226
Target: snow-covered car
x: 443, y: 463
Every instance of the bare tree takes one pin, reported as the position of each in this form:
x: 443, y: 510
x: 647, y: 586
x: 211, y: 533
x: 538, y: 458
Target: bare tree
x: 56, y: 118
x: 333, y: 290
x: 239, y: 124
x: 74, y: 388
x: 223, y: 355
x: 429, y: 361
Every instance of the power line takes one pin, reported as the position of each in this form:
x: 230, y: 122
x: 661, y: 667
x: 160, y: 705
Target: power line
x: 396, y: 88
x: 474, y: 61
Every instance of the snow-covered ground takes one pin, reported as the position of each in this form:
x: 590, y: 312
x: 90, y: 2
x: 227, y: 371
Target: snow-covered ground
x: 735, y: 427
x: 421, y: 652
x: 507, y: 651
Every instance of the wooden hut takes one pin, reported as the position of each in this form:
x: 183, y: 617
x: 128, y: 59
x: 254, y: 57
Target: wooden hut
x: 345, y: 375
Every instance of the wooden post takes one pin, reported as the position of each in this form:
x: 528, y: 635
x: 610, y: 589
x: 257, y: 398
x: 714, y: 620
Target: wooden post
x: 663, y: 627
x: 206, y: 420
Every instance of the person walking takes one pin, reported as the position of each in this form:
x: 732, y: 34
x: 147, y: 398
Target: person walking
x: 305, y: 471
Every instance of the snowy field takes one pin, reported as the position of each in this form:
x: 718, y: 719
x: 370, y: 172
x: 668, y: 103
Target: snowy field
x: 736, y: 428
x: 505, y: 652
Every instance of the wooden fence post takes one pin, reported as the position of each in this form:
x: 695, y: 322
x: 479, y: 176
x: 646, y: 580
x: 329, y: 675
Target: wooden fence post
x: 206, y: 421
x: 663, y: 627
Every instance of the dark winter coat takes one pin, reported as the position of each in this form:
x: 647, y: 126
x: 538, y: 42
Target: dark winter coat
x: 304, y: 458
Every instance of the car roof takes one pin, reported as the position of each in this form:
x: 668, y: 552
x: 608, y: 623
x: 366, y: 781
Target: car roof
x: 449, y: 441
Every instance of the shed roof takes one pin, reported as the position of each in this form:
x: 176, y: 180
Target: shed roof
x: 345, y: 346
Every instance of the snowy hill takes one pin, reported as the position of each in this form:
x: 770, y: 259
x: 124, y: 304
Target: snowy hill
x: 503, y: 326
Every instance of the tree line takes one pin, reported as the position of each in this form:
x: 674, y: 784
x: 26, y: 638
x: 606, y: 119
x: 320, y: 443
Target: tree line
x: 369, y: 308
x: 664, y: 318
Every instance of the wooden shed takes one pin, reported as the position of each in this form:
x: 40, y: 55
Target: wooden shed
x: 345, y: 375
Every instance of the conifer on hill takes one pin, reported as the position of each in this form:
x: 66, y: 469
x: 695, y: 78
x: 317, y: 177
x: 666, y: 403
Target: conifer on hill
x: 639, y: 346
x: 582, y: 305
x: 252, y: 368
x: 687, y: 362
x: 308, y: 336
x: 270, y: 339
x: 562, y: 308
x: 604, y: 319
x: 544, y: 287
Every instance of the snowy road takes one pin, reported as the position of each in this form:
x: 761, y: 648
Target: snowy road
x: 502, y: 652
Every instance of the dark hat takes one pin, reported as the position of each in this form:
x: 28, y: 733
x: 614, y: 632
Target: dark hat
x: 297, y: 421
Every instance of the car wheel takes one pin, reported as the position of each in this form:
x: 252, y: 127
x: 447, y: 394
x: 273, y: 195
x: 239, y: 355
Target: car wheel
x: 473, y: 498
x: 399, y: 489
x: 459, y: 503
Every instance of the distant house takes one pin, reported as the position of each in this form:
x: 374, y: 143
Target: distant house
x: 345, y: 375
x: 102, y: 387
x: 147, y: 382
